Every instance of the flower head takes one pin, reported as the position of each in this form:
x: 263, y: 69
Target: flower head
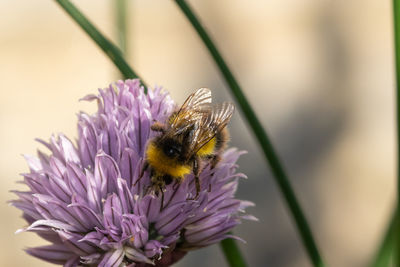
x: 87, y: 198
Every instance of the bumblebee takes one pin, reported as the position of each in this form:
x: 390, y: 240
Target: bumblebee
x: 192, y: 137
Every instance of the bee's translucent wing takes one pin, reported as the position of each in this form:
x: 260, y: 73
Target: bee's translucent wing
x: 200, y: 97
x: 188, y: 111
x: 213, y: 119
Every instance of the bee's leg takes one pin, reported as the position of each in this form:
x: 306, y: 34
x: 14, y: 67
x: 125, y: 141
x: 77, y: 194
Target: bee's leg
x: 176, y: 185
x: 148, y: 189
x: 144, y: 168
x: 216, y: 158
x: 162, y: 197
x: 159, y: 127
x: 197, y: 181
x: 196, y: 172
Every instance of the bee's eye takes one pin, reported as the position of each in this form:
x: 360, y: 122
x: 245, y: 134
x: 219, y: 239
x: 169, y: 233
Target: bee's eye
x: 171, y: 151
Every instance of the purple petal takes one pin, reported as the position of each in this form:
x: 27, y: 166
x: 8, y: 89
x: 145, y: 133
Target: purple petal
x: 33, y: 162
x: 58, y: 168
x: 249, y: 218
x: 129, y: 166
x: 70, y: 153
x: 150, y: 207
x: 73, y: 262
x: 52, y: 224
x: 106, y: 173
x: 93, y: 193
x: 38, y: 183
x: 91, y: 259
x: 57, y: 254
x: 112, y: 258
x: 141, y: 127
x: 27, y: 208
x: 94, y: 237
x: 154, y: 247
x: 72, y: 241
x: 210, y: 230
x: 133, y: 228
x: 59, y: 211
x: 89, y: 97
x: 136, y: 255
x: 112, y: 216
x: 125, y: 195
x: 86, y: 216
x: 172, y: 218
x: 59, y: 188
x: 170, y: 239
x: 114, y: 141
x: 87, y: 140
x: 76, y: 179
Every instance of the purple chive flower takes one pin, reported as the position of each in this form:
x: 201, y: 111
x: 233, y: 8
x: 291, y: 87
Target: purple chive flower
x: 87, y: 200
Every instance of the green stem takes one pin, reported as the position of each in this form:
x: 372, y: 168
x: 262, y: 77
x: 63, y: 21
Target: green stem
x: 261, y: 136
x: 120, y: 21
x: 385, y: 252
x: 232, y: 253
x: 396, y: 17
x: 107, y: 46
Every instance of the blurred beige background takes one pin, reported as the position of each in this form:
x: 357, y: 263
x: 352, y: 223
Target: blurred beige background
x: 318, y: 72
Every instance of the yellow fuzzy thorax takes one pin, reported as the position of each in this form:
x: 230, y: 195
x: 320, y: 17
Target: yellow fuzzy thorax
x: 208, y: 148
x: 165, y: 165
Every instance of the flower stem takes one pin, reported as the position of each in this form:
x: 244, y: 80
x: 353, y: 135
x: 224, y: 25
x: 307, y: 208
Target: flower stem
x: 121, y: 25
x: 385, y: 252
x: 261, y: 135
x: 232, y: 253
x: 396, y: 17
x: 113, y: 52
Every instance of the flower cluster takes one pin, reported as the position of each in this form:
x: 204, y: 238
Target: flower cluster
x: 88, y: 201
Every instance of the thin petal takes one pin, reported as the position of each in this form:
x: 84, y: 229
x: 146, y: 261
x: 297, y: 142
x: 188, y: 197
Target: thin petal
x: 125, y: 195
x: 136, y: 255
x: 72, y: 241
x: 57, y: 254
x: 106, y: 173
x: 52, y: 224
x: 112, y: 258
x: 69, y: 151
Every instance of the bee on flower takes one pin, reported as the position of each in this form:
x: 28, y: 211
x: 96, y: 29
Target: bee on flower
x: 91, y: 201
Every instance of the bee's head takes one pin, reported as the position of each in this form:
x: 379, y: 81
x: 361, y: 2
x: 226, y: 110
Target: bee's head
x: 166, y: 157
x: 172, y: 148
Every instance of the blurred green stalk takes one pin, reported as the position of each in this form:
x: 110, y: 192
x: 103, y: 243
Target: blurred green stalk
x: 121, y: 24
x: 396, y: 17
x: 391, y: 242
x: 232, y: 253
x: 261, y: 135
x: 385, y: 252
x: 113, y: 52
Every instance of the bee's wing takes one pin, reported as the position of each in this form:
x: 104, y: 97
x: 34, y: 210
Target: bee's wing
x: 214, y: 119
x: 187, y: 114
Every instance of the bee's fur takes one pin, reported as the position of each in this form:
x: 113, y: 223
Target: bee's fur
x: 165, y: 169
